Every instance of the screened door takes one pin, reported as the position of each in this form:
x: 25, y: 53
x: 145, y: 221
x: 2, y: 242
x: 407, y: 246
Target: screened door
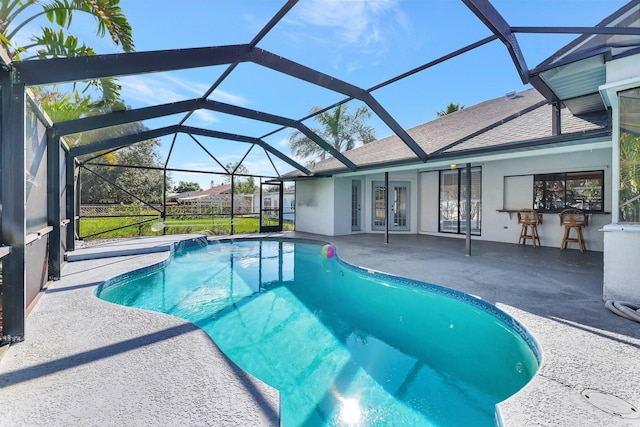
x: 398, y: 209
x: 270, y: 207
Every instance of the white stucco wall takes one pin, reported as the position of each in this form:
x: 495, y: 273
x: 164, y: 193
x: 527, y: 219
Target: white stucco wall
x: 315, y: 206
x: 623, y: 69
x: 621, y: 267
x: 324, y: 205
x: 429, y: 194
x: 503, y: 226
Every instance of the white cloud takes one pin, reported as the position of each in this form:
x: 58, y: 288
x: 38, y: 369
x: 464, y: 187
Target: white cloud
x: 205, y: 116
x: 281, y: 144
x: 355, y: 22
x: 211, y: 166
x: 154, y: 89
x: 223, y: 96
x: 148, y: 90
x: 189, y: 86
x: 260, y: 167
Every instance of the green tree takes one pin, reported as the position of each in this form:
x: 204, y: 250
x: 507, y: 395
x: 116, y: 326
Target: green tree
x: 144, y: 183
x: 343, y: 131
x: 63, y: 106
x: 451, y: 108
x: 183, y: 187
x: 629, y: 177
x: 246, y: 186
x: 243, y: 184
x: 629, y: 195
x: 16, y: 15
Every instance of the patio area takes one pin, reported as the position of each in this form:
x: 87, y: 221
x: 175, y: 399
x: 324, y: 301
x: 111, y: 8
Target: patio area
x: 88, y: 362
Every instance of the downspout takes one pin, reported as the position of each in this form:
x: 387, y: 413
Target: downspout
x: 556, y: 122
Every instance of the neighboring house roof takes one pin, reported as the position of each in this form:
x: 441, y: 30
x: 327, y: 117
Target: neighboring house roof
x: 191, y: 195
x: 525, y: 116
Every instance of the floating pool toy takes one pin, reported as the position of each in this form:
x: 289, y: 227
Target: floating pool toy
x: 328, y: 251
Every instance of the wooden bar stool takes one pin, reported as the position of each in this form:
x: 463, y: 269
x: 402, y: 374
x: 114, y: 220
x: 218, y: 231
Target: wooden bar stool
x: 529, y: 218
x: 573, y: 219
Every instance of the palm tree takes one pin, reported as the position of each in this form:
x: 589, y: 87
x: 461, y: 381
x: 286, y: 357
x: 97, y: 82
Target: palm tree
x: 15, y: 15
x: 629, y: 177
x: 451, y: 108
x: 339, y: 128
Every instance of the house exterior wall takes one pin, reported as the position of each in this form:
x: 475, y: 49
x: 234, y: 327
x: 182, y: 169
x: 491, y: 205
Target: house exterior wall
x: 502, y: 226
x: 623, y: 69
x: 324, y: 206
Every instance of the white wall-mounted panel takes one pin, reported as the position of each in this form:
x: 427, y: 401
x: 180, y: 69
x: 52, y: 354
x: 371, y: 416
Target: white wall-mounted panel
x: 315, y: 206
x: 518, y: 192
x: 342, y: 203
x: 428, y: 199
x: 621, y: 267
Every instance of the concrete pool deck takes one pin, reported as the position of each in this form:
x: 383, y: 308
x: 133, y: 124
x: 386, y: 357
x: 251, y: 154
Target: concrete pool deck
x: 88, y: 362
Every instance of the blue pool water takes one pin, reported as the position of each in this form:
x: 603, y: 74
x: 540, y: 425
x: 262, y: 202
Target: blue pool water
x: 344, y: 346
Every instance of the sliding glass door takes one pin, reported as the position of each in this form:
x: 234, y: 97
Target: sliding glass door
x: 453, y: 201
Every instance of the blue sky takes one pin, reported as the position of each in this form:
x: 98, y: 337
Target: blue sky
x: 361, y: 42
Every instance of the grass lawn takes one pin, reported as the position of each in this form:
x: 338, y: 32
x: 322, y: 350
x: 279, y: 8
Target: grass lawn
x: 124, y: 226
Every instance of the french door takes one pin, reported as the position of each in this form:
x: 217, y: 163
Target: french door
x: 398, y: 210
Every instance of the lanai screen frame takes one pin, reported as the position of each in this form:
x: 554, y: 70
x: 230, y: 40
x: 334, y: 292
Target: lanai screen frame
x: 16, y: 77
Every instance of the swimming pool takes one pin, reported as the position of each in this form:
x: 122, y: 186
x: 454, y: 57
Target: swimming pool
x: 343, y: 345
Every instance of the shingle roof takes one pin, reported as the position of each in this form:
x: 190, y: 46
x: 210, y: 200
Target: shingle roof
x: 535, y: 124
x: 523, y: 117
x: 218, y: 189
